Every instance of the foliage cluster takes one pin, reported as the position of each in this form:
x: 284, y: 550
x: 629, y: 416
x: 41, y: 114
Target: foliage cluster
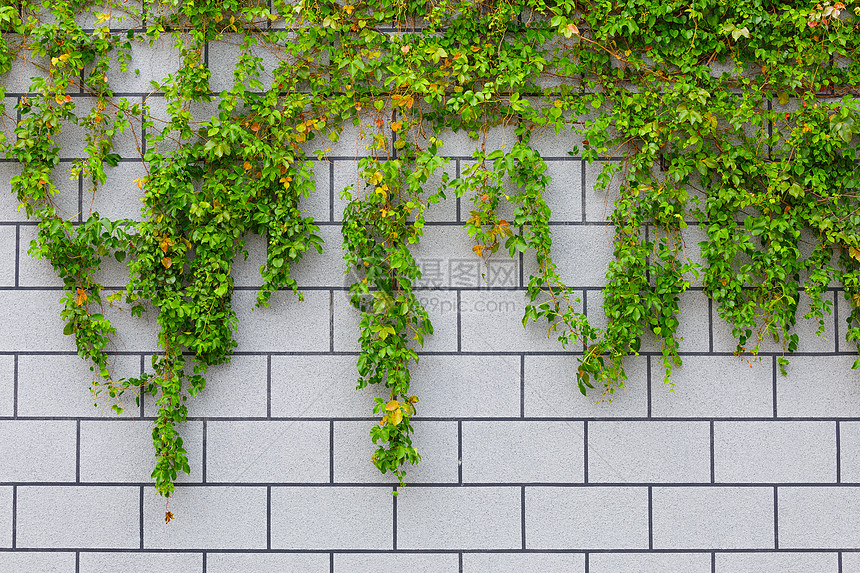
x: 737, y: 115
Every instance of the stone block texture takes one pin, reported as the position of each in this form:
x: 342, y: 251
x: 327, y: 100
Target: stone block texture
x: 730, y: 468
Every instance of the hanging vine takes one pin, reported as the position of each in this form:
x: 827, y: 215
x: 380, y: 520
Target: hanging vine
x: 739, y: 116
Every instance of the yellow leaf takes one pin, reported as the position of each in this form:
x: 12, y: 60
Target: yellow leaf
x: 854, y: 252
x: 393, y: 405
x: 396, y: 417
x: 246, y: 165
x: 82, y: 297
x: 166, y: 261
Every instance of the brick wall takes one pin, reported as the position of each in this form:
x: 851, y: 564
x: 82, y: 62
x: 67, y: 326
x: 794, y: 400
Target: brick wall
x: 735, y: 469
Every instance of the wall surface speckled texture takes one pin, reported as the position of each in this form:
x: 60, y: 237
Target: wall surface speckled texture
x: 734, y: 469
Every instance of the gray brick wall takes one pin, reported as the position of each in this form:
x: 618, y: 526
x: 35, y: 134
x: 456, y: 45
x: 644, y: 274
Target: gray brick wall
x: 733, y: 469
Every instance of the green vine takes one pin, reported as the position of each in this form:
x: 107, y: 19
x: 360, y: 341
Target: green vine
x: 741, y: 117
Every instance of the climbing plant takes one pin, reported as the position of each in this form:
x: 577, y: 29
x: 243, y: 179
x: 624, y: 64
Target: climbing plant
x: 740, y: 116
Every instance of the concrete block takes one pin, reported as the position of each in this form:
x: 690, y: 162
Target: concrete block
x: 326, y: 269
x: 37, y: 451
x: 524, y: 562
x: 272, y: 452
x: 447, y: 261
x: 134, y: 334
x: 7, y: 385
x: 446, y: 209
x: 207, y: 517
x: 72, y: 138
x: 67, y: 197
x: 818, y: 517
x: 155, y: 61
x: 243, y: 376
x: 824, y: 386
x: 25, y: 67
x: 851, y: 562
x: 599, y: 203
x: 849, y: 455
x: 32, y: 272
x: 808, y: 340
x: 843, y: 308
x: 436, y: 442
x: 119, y: 197
x: 347, y: 174
x: 491, y: 321
x: 354, y: 142
x: 459, y: 518
x: 693, y: 331
x: 224, y: 56
x: 551, y: 390
x: 122, y: 451
x: 52, y: 517
x: 776, y: 562
x: 386, y: 562
x: 7, y: 255
x: 713, y: 387
x: 317, y: 204
x: 246, y: 271
x: 441, y: 306
x: 586, y: 518
x: 551, y: 144
x: 8, y: 117
x: 563, y: 195
x: 649, y: 562
x: 6, y: 516
x: 8, y: 201
x: 47, y: 562
x: 582, y: 254
x: 93, y: 562
x: 464, y: 144
x: 467, y: 386
x: 332, y: 518
x: 59, y: 385
x: 523, y: 452
x: 286, y: 325
x: 267, y: 562
x: 318, y: 387
x: 775, y: 452
x: 657, y: 452
x: 713, y: 518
